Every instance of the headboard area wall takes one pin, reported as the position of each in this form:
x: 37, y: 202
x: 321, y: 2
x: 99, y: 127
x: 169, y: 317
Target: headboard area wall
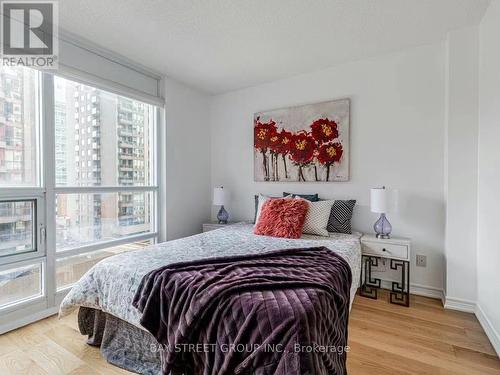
x: 396, y: 138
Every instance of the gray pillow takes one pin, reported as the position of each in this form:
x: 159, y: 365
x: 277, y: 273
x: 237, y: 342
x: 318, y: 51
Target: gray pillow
x: 340, y: 216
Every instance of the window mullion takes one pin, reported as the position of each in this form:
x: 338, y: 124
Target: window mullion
x: 21, y: 193
x: 160, y: 175
x: 103, y: 189
x: 107, y: 244
x: 48, y: 147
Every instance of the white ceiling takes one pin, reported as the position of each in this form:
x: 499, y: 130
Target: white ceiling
x: 223, y: 45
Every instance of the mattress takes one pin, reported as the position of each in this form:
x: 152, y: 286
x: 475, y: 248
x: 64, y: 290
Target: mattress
x: 111, y: 284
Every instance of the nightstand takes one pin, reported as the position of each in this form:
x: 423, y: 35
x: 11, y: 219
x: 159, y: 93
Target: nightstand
x: 207, y: 227
x: 397, y: 251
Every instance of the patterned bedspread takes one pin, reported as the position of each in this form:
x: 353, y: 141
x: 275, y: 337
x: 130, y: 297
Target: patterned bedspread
x: 111, y: 284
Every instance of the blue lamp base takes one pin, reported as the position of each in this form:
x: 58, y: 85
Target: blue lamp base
x: 382, y: 227
x: 222, y: 215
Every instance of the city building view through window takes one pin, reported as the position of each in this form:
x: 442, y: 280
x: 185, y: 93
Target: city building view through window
x: 103, y: 183
x: 18, y: 127
x: 18, y: 154
x: 16, y: 227
x: 102, y: 139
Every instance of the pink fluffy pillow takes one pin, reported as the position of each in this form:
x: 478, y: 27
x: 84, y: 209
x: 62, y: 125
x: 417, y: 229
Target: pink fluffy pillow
x: 282, y: 218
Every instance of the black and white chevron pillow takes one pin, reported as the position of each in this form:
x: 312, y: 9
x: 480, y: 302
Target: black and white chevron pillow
x: 340, y: 216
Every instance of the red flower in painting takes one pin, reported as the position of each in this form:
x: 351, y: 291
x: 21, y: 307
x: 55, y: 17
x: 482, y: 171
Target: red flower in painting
x: 262, y: 133
x: 302, y: 148
x: 274, y: 141
x: 284, y: 142
x: 329, y: 153
x: 281, y: 146
x: 324, y: 130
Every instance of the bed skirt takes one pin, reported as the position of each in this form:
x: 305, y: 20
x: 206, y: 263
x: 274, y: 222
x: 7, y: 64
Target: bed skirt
x: 121, y: 343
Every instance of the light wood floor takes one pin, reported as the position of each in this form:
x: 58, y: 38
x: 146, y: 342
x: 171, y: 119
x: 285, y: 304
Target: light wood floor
x: 384, y: 339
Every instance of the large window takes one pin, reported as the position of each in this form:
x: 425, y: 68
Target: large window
x: 102, y: 139
x: 19, y: 108
x: 70, y: 269
x: 88, y: 219
x: 104, y: 176
x: 78, y: 182
x: 21, y: 190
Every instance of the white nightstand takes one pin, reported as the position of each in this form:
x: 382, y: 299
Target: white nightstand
x: 207, y: 227
x: 397, y: 251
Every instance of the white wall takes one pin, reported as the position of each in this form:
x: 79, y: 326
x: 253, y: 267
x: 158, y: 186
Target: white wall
x: 488, y: 245
x: 461, y: 165
x: 397, y: 137
x: 188, y: 160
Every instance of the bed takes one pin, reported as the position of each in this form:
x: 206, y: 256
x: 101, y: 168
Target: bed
x: 106, y: 292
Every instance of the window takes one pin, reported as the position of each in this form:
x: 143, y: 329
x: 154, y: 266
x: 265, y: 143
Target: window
x: 20, y: 284
x: 17, y: 220
x: 96, y: 195
x: 21, y: 191
x: 89, y: 219
x: 18, y: 127
x: 70, y: 269
x: 119, y: 141
x: 107, y: 193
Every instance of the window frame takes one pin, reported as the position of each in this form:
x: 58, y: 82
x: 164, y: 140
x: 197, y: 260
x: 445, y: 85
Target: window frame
x: 44, y: 194
x: 38, y: 227
x: 42, y: 297
x: 53, y: 190
x: 34, y: 192
x: 12, y: 190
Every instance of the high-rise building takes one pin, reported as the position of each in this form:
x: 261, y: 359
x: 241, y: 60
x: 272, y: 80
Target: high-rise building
x: 106, y: 143
x: 61, y: 147
x: 133, y: 166
x: 101, y: 139
x: 17, y: 153
x: 17, y: 126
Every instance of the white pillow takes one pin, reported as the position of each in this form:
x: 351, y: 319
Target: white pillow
x: 317, y: 218
x: 263, y: 199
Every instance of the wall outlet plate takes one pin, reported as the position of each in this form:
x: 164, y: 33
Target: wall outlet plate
x: 421, y: 261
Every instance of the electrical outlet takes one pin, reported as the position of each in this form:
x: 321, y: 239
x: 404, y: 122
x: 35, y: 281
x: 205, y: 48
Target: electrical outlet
x: 421, y: 261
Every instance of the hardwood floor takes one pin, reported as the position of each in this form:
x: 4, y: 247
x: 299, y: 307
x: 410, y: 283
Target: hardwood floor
x: 384, y: 339
x: 422, y: 339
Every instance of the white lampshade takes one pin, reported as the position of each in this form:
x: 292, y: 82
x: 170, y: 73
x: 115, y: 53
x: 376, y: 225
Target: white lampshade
x: 383, y: 200
x: 220, y: 196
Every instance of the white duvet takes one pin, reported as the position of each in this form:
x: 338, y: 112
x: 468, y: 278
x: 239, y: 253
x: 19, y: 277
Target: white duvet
x: 111, y: 284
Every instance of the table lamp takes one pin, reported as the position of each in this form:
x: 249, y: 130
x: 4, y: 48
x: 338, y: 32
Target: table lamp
x: 382, y: 201
x: 220, y: 199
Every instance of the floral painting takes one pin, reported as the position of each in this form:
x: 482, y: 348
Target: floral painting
x: 308, y: 143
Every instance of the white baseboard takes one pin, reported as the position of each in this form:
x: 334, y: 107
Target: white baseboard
x: 28, y: 319
x: 427, y: 291
x: 417, y: 289
x: 460, y: 305
x: 488, y: 328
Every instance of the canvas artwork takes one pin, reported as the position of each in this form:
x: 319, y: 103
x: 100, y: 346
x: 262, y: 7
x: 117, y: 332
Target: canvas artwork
x: 308, y: 143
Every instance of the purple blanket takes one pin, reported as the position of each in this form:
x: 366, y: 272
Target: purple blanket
x: 282, y: 312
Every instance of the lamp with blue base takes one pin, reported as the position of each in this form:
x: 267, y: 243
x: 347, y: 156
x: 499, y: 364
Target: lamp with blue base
x: 220, y: 199
x: 382, y: 201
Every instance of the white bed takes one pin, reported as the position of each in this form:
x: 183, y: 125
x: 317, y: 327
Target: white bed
x: 111, y: 284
